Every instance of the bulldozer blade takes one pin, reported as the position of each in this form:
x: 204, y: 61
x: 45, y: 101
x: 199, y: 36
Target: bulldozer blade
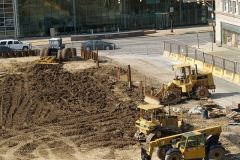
x: 48, y: 66
x: 151, y: 99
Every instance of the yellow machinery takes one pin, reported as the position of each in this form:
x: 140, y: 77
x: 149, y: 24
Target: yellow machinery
x: 54, y: 52
x: 187, y: 82
x: 154, y: 122
x: 197, y: 144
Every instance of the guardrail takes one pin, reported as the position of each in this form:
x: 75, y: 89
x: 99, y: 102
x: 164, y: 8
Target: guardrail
x: 219, y: 66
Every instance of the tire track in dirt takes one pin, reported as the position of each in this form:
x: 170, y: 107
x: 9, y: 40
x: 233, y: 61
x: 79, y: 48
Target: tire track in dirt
x: 13, y: 150
x: 58, y: 137
x: 22, y: 145
x: 12, y: 97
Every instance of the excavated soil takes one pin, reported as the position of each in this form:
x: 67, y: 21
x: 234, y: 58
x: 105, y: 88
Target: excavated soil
x: 62, y: 113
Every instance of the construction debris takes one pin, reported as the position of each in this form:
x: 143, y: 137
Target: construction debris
x: 233, y: 113
x: 215, y: 113
x: 208, y: 103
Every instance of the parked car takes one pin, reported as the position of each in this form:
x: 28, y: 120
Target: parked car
x: 99, y: 44
x: 5, y: 49
x: 15, y: 44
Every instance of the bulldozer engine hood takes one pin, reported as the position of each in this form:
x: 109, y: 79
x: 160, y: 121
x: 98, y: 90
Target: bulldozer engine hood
x: 146, y: 125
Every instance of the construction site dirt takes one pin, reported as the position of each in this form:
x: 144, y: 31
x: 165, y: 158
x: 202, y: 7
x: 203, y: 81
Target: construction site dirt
x: 78, y: 112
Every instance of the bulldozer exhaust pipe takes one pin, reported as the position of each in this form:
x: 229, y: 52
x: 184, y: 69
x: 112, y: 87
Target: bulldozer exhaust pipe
x: 196, y: 69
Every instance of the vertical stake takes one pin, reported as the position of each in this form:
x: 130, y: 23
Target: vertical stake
x: 141, y: 88
x: 144, y: 85
x: 129, y: 74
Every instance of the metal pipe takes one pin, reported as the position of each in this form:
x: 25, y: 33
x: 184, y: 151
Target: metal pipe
x: 213, y: 23
x: 196, y: 69
x: 74, y: 16
x: 14, y: 3
x: 124, y: 14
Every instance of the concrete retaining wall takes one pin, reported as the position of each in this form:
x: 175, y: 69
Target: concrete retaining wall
x: 216, y: 71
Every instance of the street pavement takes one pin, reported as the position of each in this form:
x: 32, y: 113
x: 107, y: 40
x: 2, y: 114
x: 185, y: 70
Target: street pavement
x: 210, y: 48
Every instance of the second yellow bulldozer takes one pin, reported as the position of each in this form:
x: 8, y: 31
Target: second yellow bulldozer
x: 188, y: 82
x: 154, y: 122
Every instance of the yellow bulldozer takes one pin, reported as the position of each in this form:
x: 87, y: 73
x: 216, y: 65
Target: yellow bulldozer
x: 187, y: 83
x: 197, y: 144
x: 154, y: 122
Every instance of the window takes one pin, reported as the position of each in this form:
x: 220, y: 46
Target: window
x: 10, y: 42
x: 229, y: 6
x: 16, y: 42
x: 4, y: 42
x: 238, y: 8
x: 234, y: 7
x: 191, y: 142
x: 200, y: 139
x: 224, y: 5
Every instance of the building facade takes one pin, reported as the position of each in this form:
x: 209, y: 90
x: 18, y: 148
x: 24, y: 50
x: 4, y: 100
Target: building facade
x: 32, y: 18
x: 228, y: 23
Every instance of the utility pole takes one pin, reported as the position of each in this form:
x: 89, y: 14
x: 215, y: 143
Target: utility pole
x: 74, y: 16
x: 214, y: 23
x: 170, y: 14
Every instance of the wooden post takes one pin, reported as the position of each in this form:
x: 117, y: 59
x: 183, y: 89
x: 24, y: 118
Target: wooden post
x: 144, y: 85
x: 97, y: 63
x: 97, y: 59
x: 141, y: 88
x: 129, y: 74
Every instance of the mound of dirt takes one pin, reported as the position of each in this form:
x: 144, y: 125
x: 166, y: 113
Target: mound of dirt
x: 90, y: 106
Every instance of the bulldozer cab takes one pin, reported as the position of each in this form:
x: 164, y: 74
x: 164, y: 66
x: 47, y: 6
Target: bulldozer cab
x: 56, y: 43
x: 151, y: 112
x: 184, y: 77
x: 153, y: 115
x: 192, y: 145
x: 183, y: 71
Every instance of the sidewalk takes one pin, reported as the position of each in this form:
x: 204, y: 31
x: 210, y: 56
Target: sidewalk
x: 183, y: 30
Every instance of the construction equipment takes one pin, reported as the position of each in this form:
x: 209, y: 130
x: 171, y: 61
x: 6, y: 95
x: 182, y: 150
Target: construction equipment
x: 187, y: 82
x: 197, y: 144
x: 154, y: 122
x: 54, y: 53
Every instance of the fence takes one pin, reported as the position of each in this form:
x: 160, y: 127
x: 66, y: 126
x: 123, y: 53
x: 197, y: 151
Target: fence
x: 213, y: 60
x: 220, y: 67
x: 128, y: 46
x: 19, y: 54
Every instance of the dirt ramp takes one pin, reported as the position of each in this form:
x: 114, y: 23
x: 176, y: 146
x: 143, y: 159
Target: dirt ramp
x: 90, y: 106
